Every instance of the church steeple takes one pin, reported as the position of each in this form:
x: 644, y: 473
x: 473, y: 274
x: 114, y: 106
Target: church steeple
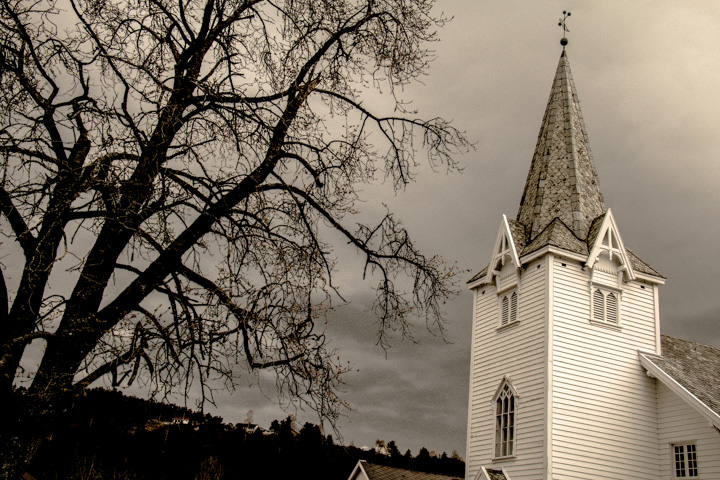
x: 559, y: 315
x: 562, y: 182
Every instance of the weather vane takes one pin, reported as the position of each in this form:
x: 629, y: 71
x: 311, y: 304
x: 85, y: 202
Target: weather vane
x: 561, y: 23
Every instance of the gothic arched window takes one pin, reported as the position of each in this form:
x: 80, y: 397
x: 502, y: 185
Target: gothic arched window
x: 505, y: 409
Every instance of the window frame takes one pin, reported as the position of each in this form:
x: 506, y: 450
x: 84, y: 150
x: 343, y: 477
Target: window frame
x: 508, y: 307
x: 606, y: 293
x: 505, y: 408
x: 689, y: 467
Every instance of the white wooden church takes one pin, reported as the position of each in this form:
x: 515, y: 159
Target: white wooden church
x: 570, y: 376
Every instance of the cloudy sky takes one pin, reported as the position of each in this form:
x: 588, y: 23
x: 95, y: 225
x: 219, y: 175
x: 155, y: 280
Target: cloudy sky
x: 648, y: 77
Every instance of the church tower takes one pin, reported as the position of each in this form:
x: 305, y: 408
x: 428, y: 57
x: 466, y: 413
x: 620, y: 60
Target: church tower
x: 559, y: 316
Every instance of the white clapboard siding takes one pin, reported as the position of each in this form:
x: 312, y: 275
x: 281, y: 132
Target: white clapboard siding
x: 605, y: 278
x: 679, y: 422
x: 507, y: 277
x: 517, y: 351
x: 604, y: 424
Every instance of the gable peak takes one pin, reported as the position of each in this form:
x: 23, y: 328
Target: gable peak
x: 605, y: 242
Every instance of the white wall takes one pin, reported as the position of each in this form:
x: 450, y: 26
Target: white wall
x: 519, y: 352
x: 604, y: 424
x: 679, y: 422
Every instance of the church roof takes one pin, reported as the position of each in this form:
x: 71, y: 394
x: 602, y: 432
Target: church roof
x: 479, y: 275
x: 518, y: 235
x: 371, y: 471
x: 694, y: 366
x: 559, y: 235
x: 640, y: 266
x: 562, y: 182
x: 691, y: 371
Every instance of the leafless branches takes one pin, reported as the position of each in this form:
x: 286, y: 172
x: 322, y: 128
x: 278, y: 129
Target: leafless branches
x: 190, y: 155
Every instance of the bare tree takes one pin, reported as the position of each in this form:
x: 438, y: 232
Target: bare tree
x: 171, y: 171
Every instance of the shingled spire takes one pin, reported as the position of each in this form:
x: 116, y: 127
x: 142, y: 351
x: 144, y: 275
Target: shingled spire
x: 562, y: 182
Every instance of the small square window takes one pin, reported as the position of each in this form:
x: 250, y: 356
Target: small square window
x: 684, y: 460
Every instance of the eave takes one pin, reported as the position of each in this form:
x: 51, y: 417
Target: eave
x: 558, y: 252
x: 649, y: 278
x: 655, y: 371
x: 561, y: 253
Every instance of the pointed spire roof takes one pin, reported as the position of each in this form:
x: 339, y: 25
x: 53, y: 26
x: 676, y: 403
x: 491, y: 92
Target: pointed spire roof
x: 562, y: 206
x: 562, y: 182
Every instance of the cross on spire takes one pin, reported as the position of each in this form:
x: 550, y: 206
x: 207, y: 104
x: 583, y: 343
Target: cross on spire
x: 561, y: 23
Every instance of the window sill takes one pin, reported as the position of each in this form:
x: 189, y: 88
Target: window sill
x: 506, y: 327
x: 610, y: 326
x: 503, y: 459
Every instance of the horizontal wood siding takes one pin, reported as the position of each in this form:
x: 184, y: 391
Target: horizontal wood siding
x: 517, y: 351
x: 679, y: 422
x: 606, y: 278
x: 604, y: 423
x: 508, y: 277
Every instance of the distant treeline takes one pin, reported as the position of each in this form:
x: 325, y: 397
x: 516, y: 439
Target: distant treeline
x: 107, y: 435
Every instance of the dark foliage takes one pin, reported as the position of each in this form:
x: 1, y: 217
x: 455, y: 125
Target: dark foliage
x: 107, y: 435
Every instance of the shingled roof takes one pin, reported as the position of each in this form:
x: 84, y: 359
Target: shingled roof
x: 371, y: 471
x: 559, y: 235
x: 694, y: 366
x: 562, y: 205
x: 640, y: 266
x: 562, y: 182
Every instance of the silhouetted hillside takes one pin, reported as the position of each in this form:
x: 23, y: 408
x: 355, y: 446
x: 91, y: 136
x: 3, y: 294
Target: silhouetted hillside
x: 107, y: 435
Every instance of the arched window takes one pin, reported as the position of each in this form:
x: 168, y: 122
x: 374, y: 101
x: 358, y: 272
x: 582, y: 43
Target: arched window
x: 605, y: 306
x: 508, y: 308
x: 611, y: 308
x: 505, y: 311
x: 598, y: 306
x: 505, y: 407
x: 513, y: 307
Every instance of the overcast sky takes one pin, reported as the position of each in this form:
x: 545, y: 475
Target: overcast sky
x: 648, y: 77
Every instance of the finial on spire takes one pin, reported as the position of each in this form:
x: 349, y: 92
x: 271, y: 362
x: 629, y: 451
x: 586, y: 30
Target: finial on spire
x: 561, y: 23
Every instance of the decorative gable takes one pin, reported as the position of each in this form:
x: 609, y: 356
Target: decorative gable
x: 504, y: 263
x: 608, y: 258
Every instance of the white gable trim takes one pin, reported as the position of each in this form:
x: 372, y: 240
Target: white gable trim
x: 484, y: 475
x: 504, y: 247
x: 657, y: 372
x: 609, y: 228
x: 359, y: 472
